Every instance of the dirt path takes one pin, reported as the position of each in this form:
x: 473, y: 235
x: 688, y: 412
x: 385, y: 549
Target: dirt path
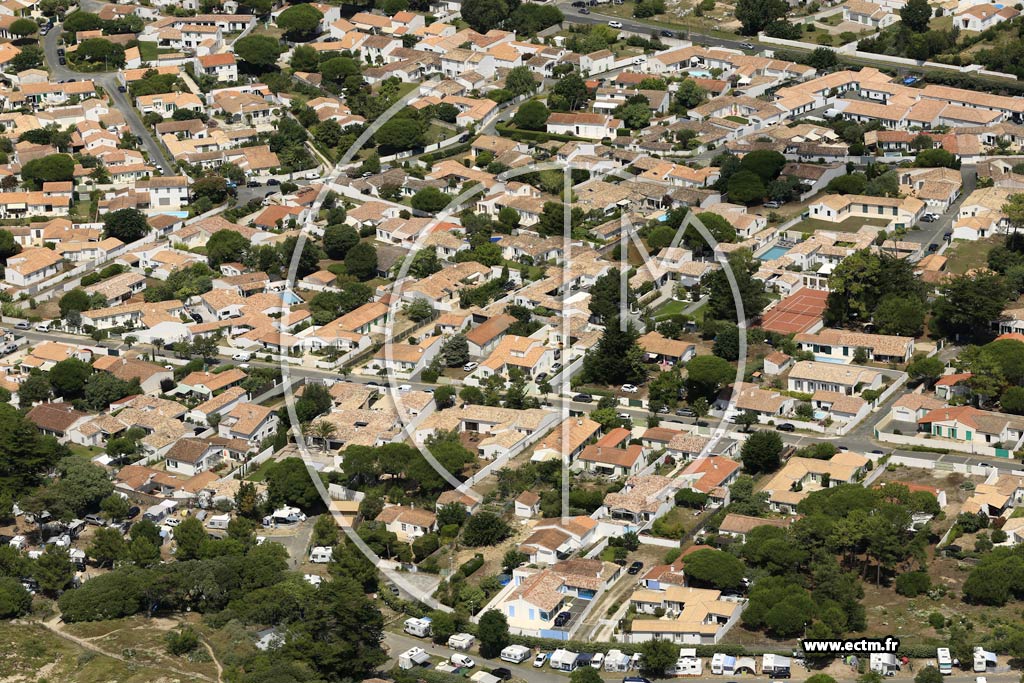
x: 54, y: 625
x: 220, y: 669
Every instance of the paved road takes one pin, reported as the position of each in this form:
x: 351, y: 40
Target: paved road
x: 638, y: 26
x: 932, y: 233
x: 108, y: 81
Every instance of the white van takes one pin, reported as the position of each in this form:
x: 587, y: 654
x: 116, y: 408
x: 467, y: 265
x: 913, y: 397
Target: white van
x: 597, y: 660
x: 242, y: 356
x: 464, y: 661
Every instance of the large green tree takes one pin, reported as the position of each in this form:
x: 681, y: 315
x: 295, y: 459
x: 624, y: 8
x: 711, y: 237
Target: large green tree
x: 484, y: 15
x: 258, y: 51
x: 300, y: 22
x: 755, y: 15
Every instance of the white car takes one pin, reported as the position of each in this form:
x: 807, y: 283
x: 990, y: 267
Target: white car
x: 403, y: 388
x: 470, y: 366
x: 615, y: 24
x: 464, y: 661
x: 242, y: 356
x: 540, y: 660
x: 630, y: 388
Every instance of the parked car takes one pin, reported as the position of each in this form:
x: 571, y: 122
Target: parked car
x: 62, y: 61
x: 60, y: 51
x: 22, y: 325
x: 597, y: 660
x: 773, y: 205
x: 133, y: 512
x: 541, y: 659
x: 242, y: 356
x: 615, y: 24
x: 584, y: 10
x: 635, y: 568
x: 630, y: 388
x: 933, y: 248
x: 470, y: 366
x: 273, y: 181
x: 502, y: 673
x: 685, y: 412
x: 583, y: 398
x: 563, y: 618
x: 465, y: 661
x: 541, y: 377
x: 253, y: 183
x: 948, y: 236
x: 95, y: 520
x: 785, y: 427
x: 747, y: 46
x: 667, y: 34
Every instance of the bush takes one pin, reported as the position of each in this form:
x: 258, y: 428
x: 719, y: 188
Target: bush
x: 913, y: 584
x: 936, y: 620
x: 182, y: 642
x: 469, y: 567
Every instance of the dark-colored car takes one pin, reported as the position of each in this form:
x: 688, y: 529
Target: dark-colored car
x: 563, y: 618
x: 583, y: 398
x: 785, y: 427
x: 253, y: 183
x: 502, y: 673
x: 60, y: 51
x: 542, y: 376
x: 121, y: 88
x: 134, y: 511
x: 273, y: 181
x: 635, y: 568
x: 933, y: 247
x: 668, y: 34
x: 685, y: 412
x: 62, y: 61
x: 948, y: 236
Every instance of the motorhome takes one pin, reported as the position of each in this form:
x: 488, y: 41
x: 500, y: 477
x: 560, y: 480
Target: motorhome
x: 775, y: 666
x: 321, y: 554
x: 945, y: 661
x: 419, y: 627
x: 515, y: 654
x: 409, y: 659
x: 461, y: 641
x: 718, y: 663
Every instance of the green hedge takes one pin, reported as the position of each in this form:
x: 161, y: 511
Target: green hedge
x: 535, y: 135
x: 468, y: 567
x: 444, y: 153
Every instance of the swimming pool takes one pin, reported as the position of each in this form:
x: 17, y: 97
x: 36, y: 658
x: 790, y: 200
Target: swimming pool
x: 699, y: 73
x: 773, y: 253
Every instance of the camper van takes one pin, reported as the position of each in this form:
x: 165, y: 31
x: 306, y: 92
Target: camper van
x: 419, y: 627
x: 718, y: 664
x: 461, y: 641
x: 515, y: 654
x: 219, y: 521
x: 945, y: 661
x: 409, y: 659
x: 321, y: 554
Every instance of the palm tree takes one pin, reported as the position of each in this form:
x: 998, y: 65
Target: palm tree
x: 324, y: 430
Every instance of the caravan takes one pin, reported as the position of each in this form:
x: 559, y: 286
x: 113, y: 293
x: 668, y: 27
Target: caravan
x: 419, y: 627
x: 616, y: 661
x: 219, y: 521
x: 409, y: 659
x: 984, y: 660
x: 564, y: 660
x: 515, y: 654
x: 688, y: 663
x: 284, y: 515
x: 461, y: 641
x: 884, y: 663
x: 775, y: 666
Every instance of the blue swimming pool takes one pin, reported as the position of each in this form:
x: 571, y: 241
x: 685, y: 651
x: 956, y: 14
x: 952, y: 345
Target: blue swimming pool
x: 773, y: 253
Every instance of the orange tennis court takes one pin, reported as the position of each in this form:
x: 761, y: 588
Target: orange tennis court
x: 796, y: 313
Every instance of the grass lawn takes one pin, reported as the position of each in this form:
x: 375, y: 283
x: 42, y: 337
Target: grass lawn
x: 810, y: 225
x: 84, y: 451
x: 737, y: 119
x: 260, y: 473
x: 963, y: 255
x: 82, y: 209
x: 148, y: 51
x: 703, y: 25
x: 670, y: 308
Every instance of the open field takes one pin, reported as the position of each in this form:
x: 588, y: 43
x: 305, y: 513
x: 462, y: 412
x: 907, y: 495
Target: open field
x: 964, y: 255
